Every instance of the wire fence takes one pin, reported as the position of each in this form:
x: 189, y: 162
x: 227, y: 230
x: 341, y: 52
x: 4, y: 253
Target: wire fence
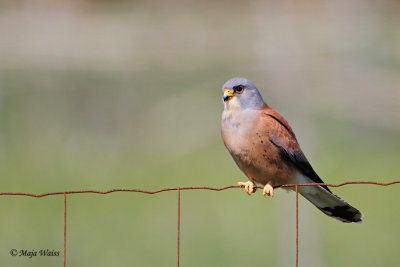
x: 179, y: 189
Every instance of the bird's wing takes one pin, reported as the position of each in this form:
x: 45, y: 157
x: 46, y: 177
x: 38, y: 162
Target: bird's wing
x: 282, y: 136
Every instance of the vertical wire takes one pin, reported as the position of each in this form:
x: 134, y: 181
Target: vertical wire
x: 297, y: 226
x: 65, y: 227
x: 179, y: 222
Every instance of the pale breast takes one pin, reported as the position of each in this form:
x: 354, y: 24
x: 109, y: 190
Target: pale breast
x: 245, y: 136
x: 237, y: 127
x: 238, y: 133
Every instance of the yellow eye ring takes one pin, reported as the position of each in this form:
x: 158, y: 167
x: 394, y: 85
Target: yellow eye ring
x: 238, y: 89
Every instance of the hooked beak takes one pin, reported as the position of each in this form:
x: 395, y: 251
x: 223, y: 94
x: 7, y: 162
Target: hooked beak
x: 228, y: 95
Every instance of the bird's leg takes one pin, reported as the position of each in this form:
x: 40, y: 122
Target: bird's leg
x: 268, y: 190
x: 249, y: 186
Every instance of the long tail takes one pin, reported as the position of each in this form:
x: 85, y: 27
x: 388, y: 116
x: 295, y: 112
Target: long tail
x: 330, y: 204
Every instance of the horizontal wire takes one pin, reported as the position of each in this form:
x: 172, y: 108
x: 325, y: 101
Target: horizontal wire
x: 187, y: 188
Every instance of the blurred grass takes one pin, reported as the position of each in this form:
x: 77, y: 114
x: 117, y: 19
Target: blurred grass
x: 144, y: 113
x: 221, y: 228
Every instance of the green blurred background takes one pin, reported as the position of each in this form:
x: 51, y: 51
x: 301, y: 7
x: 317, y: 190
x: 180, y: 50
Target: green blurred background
x: 121, y: 94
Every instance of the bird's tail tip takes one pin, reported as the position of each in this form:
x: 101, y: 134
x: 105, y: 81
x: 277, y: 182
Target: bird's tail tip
x: 344, y: 213
x: 332, y: 205
x: 361, y: 218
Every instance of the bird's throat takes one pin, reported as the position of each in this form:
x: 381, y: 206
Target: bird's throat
x: 232, y: 105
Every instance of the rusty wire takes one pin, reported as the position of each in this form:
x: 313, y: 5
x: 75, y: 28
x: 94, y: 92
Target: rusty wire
x: 65, y: 228
x: 179, y: 223
x: 179, y: 189
x: 297, y: 226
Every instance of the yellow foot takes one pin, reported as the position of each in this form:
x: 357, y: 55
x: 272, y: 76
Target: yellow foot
x: 249, y: 186
x: 268, y: 190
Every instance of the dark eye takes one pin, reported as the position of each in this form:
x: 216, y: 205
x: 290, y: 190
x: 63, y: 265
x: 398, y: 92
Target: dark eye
x: 238, y: 89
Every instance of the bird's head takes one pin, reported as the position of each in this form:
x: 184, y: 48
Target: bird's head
x: 240, y: 93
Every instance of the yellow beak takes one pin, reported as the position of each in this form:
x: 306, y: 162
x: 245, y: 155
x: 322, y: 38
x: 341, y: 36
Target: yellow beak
x: 228, y: 95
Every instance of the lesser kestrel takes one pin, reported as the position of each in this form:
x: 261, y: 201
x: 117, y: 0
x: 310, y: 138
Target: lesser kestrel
x: 265, y: 148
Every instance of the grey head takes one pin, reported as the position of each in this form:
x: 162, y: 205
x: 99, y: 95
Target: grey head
x: 241, y: 93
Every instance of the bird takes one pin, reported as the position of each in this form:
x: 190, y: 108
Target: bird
x: 265, y: 148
